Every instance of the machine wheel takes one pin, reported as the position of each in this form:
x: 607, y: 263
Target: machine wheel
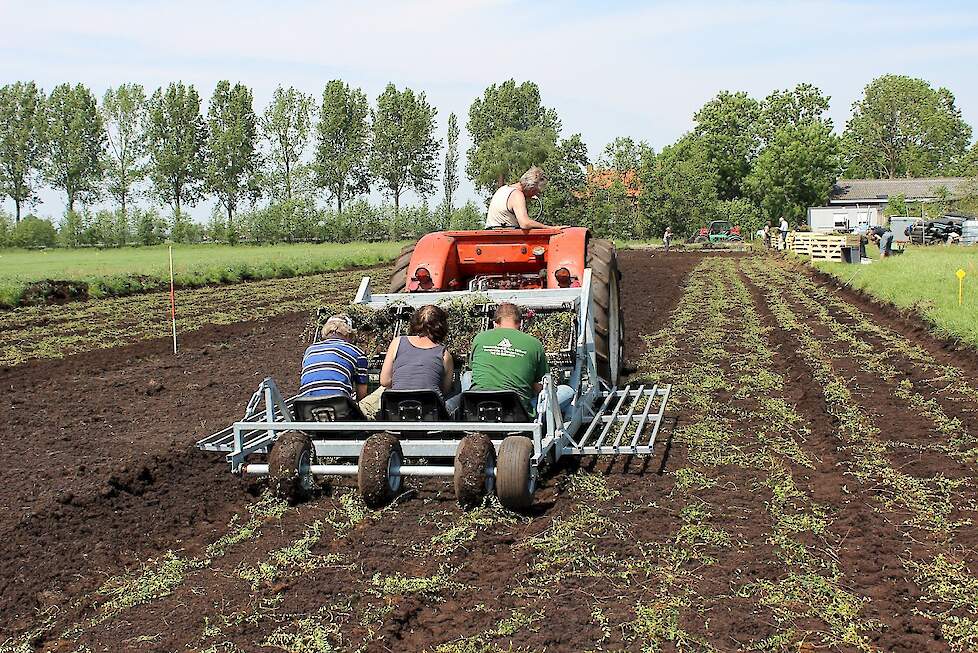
x: 378, y: 475
x: 475, y: 468
x: 609, y: 324
x: 288, y: 466
x: 735, y: 239
x: 515, y: 484
x: 399, y: 276
x: 701, y: 239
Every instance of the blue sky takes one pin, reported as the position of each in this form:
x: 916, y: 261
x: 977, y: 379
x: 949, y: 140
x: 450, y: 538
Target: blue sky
x: 628, y: 68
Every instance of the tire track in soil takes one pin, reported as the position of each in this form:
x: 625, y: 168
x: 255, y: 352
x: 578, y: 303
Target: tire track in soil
x: 869, y: 544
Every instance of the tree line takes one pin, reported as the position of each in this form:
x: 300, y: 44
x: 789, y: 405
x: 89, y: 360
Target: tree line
x: 746, y: 160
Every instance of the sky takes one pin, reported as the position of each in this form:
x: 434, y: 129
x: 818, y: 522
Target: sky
x: 628, y: 68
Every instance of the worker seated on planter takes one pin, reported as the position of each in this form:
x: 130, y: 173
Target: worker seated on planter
x: 417, y: 361
x: 334, y: 365
x: 506, y: 358
x: 507, y: 208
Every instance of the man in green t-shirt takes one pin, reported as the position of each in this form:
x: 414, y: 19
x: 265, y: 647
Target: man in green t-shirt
x: 505, y: 358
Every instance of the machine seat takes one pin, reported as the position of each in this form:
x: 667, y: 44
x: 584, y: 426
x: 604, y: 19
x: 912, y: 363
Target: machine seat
x: 493, y: 406
x: 334, y: 408
x: 412, y: 406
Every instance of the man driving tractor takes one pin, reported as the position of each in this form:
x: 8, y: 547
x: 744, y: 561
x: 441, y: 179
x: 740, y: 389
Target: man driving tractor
x: 507, y: 208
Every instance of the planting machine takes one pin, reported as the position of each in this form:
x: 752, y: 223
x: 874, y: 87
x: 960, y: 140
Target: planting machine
x: 492, y: 445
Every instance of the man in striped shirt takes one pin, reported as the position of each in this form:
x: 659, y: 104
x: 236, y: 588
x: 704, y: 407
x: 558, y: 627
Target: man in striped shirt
x: 333, y: 365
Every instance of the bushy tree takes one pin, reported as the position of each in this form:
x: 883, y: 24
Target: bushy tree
x: 6, y: 226
x: 32, y: 231
x: 563, y: 198
x: 124, y: 114
x: 621, y: 155
x: 469, y: 216
x: 803, y: 104
x: 795, y: 171
x: 22, y: 142
x: 232, y: 156
x: 343, y: 143
x: 511, y: 130
x: 904, y: 127
x: 450, y: 174
x: 286, y: 126
x: 149, y: 227
x: 76, y: 144
x: 726, y: 127
x: 741, y: 213
x: 405, y: 150
x: 679, y: 187
x: 177, y: 139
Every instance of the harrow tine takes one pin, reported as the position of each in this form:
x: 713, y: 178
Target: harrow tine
x: 628, y: 418
x: 597, y: 420
x: 613, y: 416
x: 645, y: 415
x: 658, y: 416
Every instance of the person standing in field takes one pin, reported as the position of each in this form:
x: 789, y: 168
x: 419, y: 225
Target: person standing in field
x: 667, y: 238
x: 507, y: 208
x: 783, y: 228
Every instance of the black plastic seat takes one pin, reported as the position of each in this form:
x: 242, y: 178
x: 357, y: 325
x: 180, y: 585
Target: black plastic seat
x: 412, y: 406
x: 334, y: 408
x: 493, y: 406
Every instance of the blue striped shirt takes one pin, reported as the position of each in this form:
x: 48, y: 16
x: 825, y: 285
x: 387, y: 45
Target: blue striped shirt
x: 332, y: 367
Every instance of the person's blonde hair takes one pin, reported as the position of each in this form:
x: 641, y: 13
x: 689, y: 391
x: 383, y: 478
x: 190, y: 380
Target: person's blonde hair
x: 534, y: 179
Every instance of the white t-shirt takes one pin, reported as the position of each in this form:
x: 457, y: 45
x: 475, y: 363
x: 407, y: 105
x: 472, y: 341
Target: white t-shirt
x: 784, y: 225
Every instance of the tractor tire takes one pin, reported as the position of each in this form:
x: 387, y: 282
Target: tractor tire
x: 701, y: 239
x: 609, y: 324
x: 288, y: 467
x: 475, y: 465
x: 399, y: 276
x: 735, y: 239
x: 515, y: 484
x: 377, y: 479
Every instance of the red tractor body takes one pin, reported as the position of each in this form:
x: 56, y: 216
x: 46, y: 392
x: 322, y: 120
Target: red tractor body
x: 494, y: 259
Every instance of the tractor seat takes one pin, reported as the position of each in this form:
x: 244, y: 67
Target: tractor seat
x: 334, y: 408
x: 493, y: 406
x: 412, y: 406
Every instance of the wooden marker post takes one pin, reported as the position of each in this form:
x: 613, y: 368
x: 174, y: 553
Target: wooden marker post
x: 960, y: 274
x: 173, y: 303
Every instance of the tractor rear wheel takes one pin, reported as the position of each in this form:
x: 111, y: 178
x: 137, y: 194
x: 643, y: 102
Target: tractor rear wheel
x: 475, y: 469
x: 378, y: 472
x: 609, y: 325
x: 515, y: 484
x: 399, y: 276
x: 289, y: 466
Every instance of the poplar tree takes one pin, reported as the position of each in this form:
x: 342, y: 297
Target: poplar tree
x: 450, y: 176
x: 22, y: 127
x: 286, y: 126
x: 176, y: 137
x: 232, y: 159
x: 124, y: 113
x: 76, y: 144
x: 343, y: 142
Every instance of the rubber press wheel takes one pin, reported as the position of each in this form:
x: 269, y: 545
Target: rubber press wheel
x: 609, y: 325
x: 475, y: 468
x: 289, y: 466
x: 378, y: 473
x: 515, y: 484
x: 399, y: 276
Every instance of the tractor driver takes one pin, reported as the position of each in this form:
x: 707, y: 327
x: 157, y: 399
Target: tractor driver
x: 506, y: 358
x: 507, y: 208
x: 334, y: 365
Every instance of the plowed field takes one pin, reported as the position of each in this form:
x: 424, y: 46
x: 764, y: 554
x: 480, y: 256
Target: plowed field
x: 814, y: 489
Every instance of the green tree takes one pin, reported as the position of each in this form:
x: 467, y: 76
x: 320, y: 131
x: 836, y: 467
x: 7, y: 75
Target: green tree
x: 563, y: 198
x: 343, y: 147
x: 803, y: 104
x: 904, y: 127
x: 405, y: 150
x: 727, y: 126
x: 22, y: 146
x: 76, y: 144
x: 286, y: 126
x: 621, y: 155
x: 795, y: 171
x: 232, y: 158
x: 177, y: 137
x: 34, y: 232
x: 679, y: 187
x: 450, y: 175
x: 896, y: 205
x: 124, y: 113
x: 511, y: 130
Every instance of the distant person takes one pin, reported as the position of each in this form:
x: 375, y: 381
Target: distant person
x: 759, y: 234
x: 767, y: 235
x: 883, y: 237
x: 333, y: 365
x: 507, y: 208
x: 784, y: 232
x: 667, y: 238
x: 506, y: 358
x: 417, y: 361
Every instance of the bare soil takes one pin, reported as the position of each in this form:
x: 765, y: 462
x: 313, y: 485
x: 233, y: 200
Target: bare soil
x: 111, y: 522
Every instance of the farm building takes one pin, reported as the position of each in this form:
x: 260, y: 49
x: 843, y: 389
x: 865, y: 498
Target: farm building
x: 841, y: 218
x: 877, y: 192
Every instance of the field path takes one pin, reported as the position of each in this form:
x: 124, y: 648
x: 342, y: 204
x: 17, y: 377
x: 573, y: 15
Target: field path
x: 814, y: 489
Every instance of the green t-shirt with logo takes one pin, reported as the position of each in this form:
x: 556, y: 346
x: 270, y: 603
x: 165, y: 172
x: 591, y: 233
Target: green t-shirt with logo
x: 508, y: 359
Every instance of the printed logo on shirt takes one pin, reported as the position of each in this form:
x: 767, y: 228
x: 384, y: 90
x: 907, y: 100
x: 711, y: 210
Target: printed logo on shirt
x: 506, y: 349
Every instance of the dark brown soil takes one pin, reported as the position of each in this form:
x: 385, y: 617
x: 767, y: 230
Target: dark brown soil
x: 101, y: 475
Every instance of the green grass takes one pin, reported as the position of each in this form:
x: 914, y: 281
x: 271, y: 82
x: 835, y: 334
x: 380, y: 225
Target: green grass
x: 131, y: 270
x: 923, y: 280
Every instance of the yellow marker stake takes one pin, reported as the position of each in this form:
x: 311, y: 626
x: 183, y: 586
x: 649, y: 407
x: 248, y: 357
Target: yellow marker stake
x: 960, y: 274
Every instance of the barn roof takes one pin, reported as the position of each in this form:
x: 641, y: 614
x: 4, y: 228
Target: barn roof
x: 872, y: 191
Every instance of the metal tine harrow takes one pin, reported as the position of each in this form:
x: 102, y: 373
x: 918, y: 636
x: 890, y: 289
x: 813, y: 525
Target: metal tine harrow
x: 610, y: 432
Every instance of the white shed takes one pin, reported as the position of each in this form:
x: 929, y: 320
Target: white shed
x: 842, y: 218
